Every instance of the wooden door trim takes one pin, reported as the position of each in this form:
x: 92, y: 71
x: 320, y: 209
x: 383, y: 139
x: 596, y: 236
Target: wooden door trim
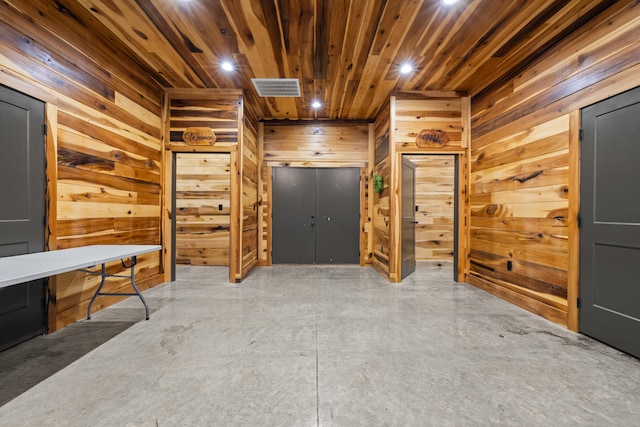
x: 573, y: 278
x: 167, y: 217
x: 463, y: 214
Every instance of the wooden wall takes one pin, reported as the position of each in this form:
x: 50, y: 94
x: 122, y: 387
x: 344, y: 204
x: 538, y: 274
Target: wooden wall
x: 203, y: 202
x: 414, y: 113
x: 435, y: 199
x: 525, y: 163
x: 222, y: 111
x: 250, y: 159
x: 311, y: 144
x: 397, y: 128
x: 103, y: 149
x: 381, y: 215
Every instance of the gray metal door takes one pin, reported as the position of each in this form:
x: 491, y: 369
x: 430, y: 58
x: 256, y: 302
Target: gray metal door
x: 408, y: 218
x: 316, y: 216
x: 610, y: 211
x: 22, y: 211
x: 294, y: 211
x: 338, y: 216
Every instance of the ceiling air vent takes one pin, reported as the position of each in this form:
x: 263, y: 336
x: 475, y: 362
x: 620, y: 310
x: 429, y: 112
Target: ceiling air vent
x: 277, y: 87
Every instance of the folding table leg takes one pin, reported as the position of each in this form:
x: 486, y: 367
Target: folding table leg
x: 104, y: 276
x: 134, y: 261
x: 133, y: 283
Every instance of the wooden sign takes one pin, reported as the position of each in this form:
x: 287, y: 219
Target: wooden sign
x: 198, y: 136
x: 429, y: 138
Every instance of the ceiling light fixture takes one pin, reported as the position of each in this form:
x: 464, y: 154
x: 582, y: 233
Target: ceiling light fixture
x: 406, y: 68
x: 448, y: 2
x: 316, y: 104
x: 227, y: 66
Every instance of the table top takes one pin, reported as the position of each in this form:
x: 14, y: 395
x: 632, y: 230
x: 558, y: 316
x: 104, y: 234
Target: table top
x: 23, y: 268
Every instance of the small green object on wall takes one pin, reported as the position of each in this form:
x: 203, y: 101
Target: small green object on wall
x: 378, y: 183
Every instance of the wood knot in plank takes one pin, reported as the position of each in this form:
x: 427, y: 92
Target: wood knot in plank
x: 523, y: 179
x: 491, y: 209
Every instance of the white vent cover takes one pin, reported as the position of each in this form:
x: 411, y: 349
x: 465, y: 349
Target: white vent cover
x: 277, y: 87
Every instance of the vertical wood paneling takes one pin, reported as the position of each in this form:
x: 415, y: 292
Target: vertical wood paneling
x: 311, y: 144
x: 103, y: 145
x: 203, y: 201
x: 524, y: 162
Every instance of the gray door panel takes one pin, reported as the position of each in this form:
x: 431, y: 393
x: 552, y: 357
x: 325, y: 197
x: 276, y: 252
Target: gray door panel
x: 338, y: 215
x: 22, y: 210
x: 610, y: 210
x: 294, y: 210
x: 408, y: 218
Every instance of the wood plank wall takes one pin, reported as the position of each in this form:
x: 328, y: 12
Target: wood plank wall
x: 525, y: 163
x: 397, y: 128
x: 435, y: 199
x: 222, y: 111
x: 311, y: 144
x: 381, y: 209
x: 250, y: 159
x: 203, y: 203
x: 216, y: 109
x: 104, y: 157
x: 417, y: 112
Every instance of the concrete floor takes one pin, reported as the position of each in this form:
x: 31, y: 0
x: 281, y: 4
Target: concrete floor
x: 310, y: 346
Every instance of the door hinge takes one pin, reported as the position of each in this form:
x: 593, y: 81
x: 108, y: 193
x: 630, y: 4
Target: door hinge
x: 579, y: 221
x: 578, y: 303
x: 45, y: 129
x: 580, y: 134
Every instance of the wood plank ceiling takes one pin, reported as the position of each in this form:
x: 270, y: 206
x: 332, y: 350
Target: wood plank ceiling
x: 346, y: 53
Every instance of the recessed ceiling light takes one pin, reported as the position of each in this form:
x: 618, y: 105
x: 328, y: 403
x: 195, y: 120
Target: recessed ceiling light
x: 227, y: 66
x: 448, y: 2
x: 316, y: 104
x: 406, y: 68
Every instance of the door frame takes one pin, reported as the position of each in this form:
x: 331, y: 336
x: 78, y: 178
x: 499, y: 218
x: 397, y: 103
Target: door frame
x: 168, y: 220
x: 462, y: 211
x: 407, y: 163
x: 173, y: 205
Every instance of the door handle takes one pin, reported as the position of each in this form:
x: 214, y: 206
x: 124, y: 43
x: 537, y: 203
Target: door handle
x: 414, y: 222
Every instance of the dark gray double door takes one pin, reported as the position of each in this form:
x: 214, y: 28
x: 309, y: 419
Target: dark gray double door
x: 316, y: 216
x: 610, y: 211
x: 22, y: 211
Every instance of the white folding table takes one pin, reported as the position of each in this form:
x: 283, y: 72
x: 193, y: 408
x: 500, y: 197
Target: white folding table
x: 24, y: 268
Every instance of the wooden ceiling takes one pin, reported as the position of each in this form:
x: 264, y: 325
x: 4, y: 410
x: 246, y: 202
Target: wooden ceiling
x: 346, y: 53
